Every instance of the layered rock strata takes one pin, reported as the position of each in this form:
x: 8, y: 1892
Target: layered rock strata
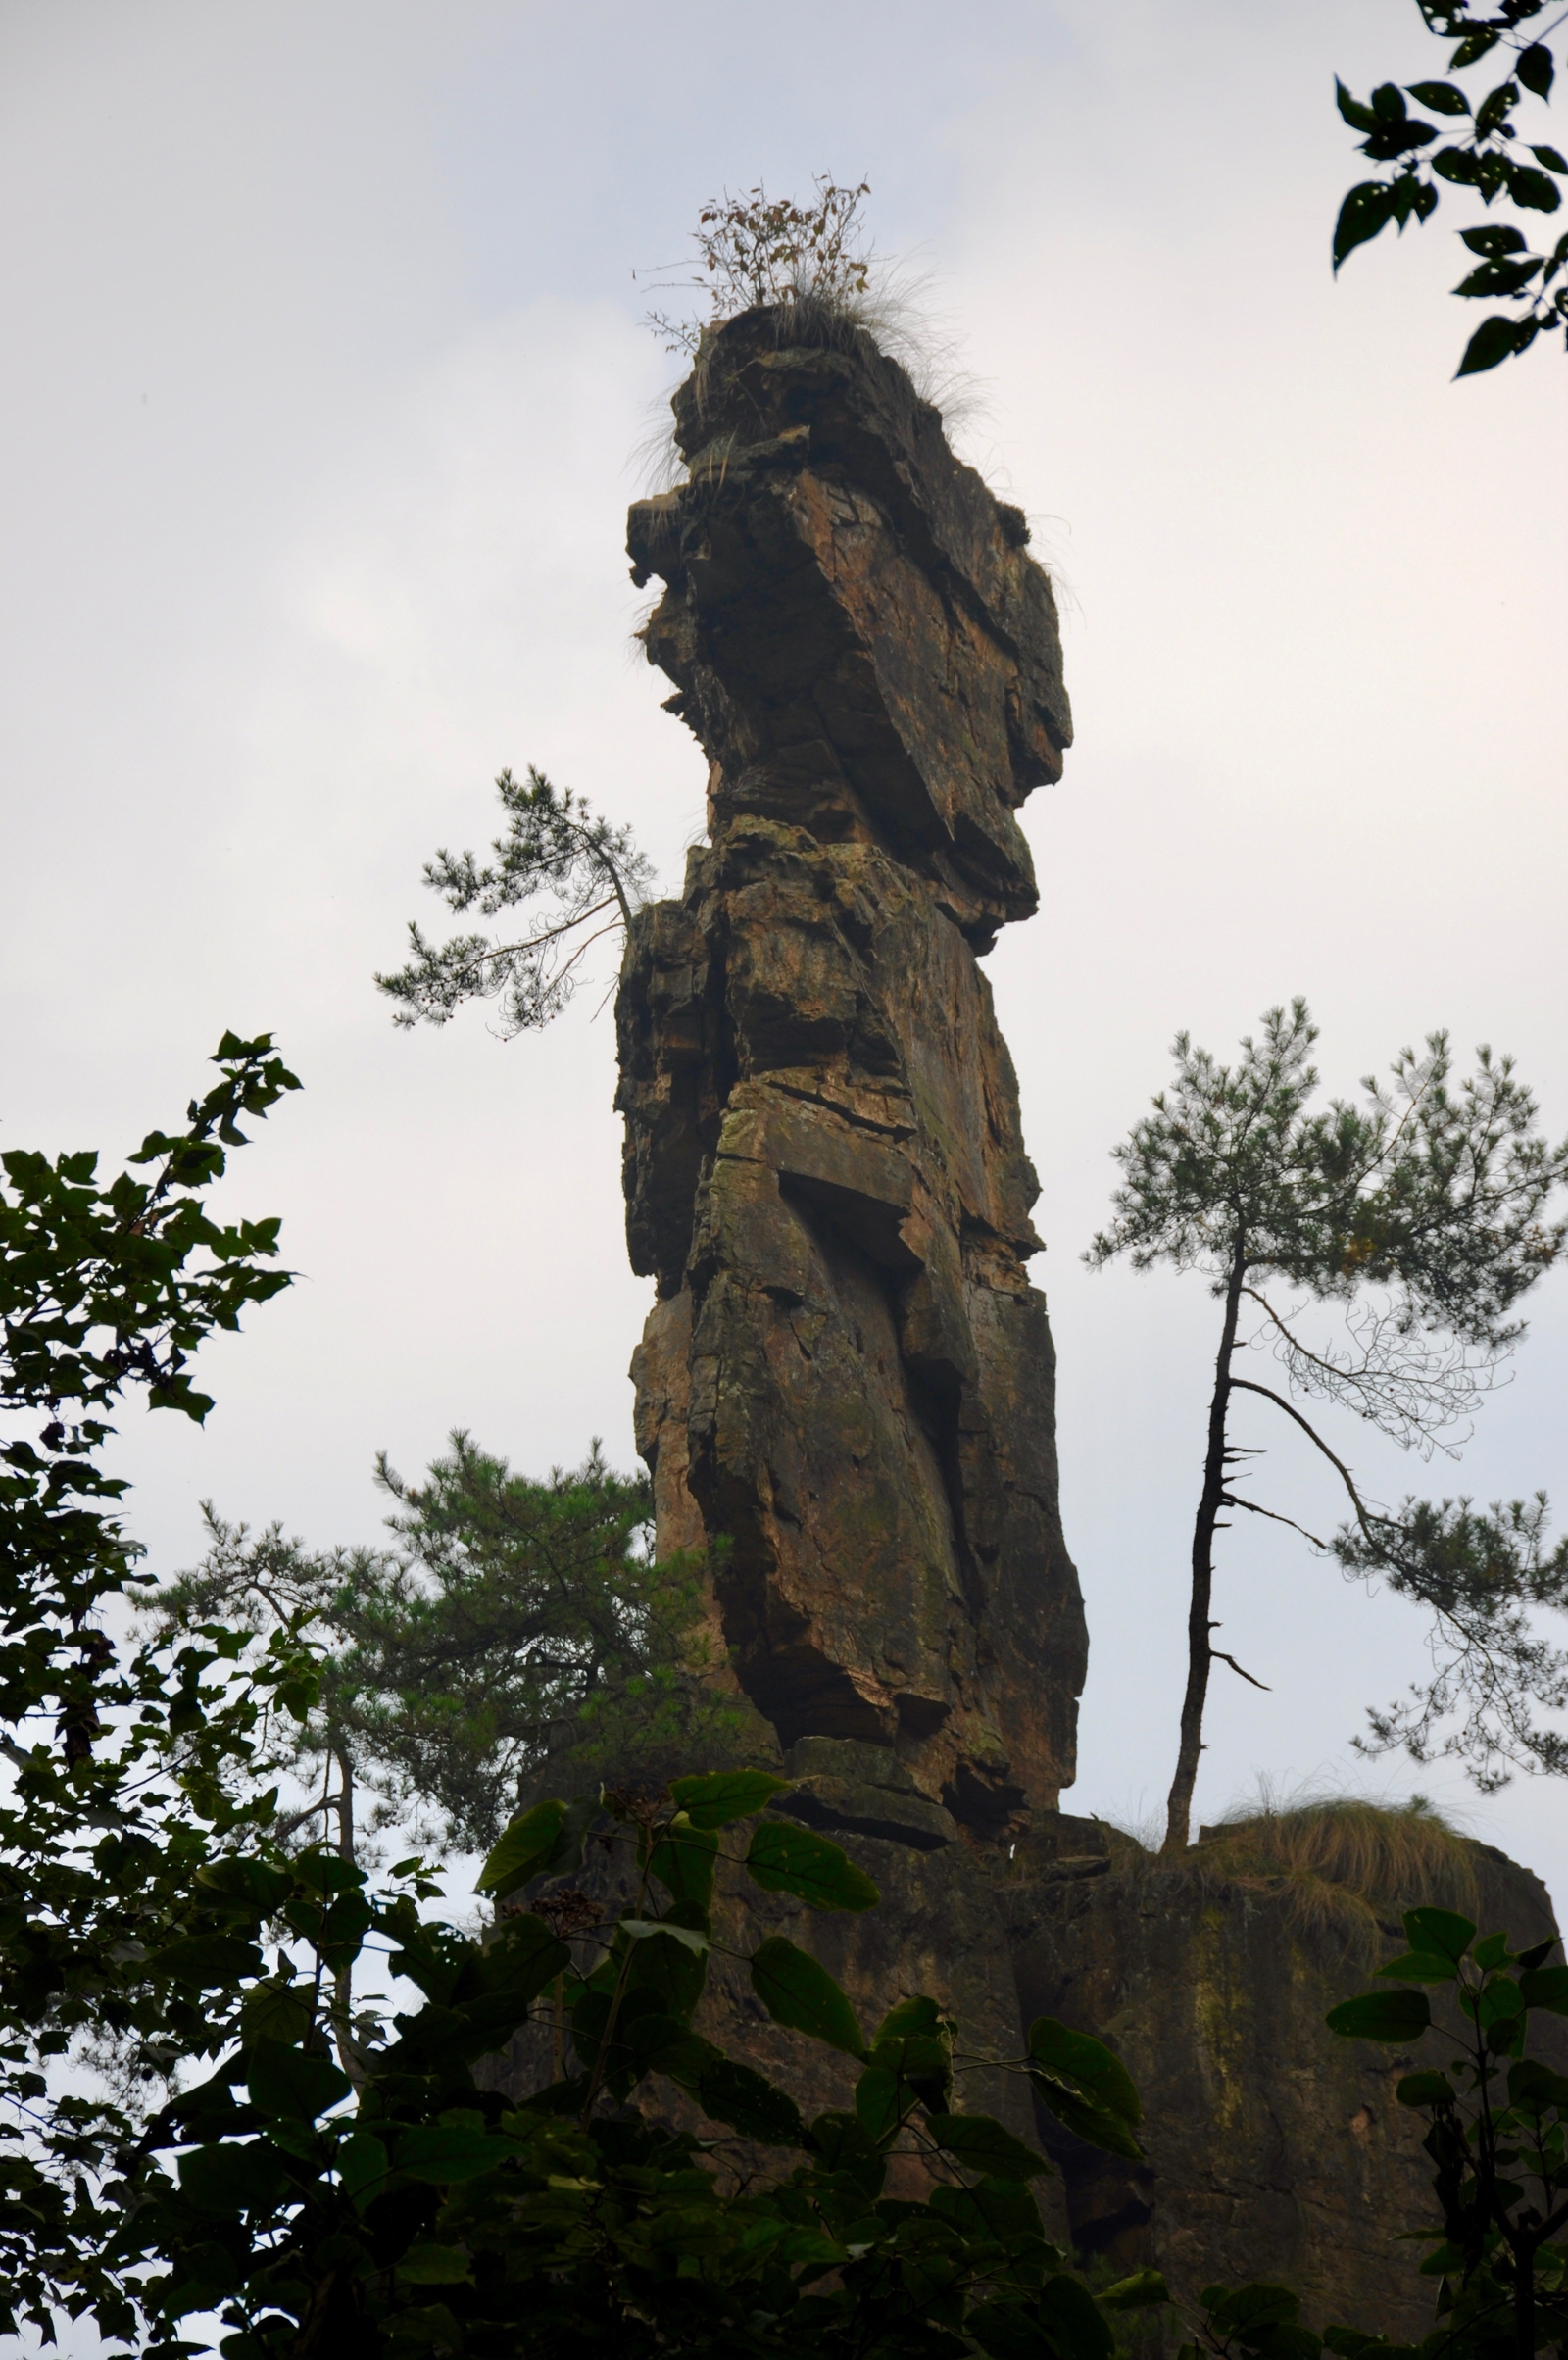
x: 847, y: 1374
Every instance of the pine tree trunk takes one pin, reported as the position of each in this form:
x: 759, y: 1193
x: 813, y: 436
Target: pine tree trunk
x: 1200, y: 1623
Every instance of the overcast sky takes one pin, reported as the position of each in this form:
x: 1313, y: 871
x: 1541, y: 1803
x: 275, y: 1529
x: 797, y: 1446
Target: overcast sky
x: 323, y: 381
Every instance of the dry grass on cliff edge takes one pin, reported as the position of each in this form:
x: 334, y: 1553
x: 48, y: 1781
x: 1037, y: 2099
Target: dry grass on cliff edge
x: 1341, y: 1861
x: 894, y: 310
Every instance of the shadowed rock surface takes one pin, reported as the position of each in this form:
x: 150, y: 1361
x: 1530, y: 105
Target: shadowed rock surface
x: 1274, y: 2149
x: 847, y: 1371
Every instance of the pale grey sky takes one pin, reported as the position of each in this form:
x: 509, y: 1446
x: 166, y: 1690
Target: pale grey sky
x: 321, y: 380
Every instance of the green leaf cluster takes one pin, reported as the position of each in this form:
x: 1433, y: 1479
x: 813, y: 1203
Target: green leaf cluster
x: 1488, y: 157
x: 132, y: 1770
x: 366, y: 2188
x: 1497, y: 2133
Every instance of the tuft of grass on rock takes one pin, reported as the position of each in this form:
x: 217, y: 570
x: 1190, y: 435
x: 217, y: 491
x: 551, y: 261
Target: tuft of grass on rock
x: 1341, y: 1860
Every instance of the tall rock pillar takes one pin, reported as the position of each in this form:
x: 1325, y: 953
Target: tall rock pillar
x: 847, y: 1372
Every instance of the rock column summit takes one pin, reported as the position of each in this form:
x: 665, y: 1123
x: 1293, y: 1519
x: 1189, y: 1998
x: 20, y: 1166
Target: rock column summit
x: 846, y: 1373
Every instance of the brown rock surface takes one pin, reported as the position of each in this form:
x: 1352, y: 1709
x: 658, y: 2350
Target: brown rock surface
x: 1274, y: 2149
x: 847, y: 1377
x: 847, y: 1372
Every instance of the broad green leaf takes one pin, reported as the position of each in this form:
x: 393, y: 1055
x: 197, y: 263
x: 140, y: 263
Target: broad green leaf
x: 1496, y: 109
x: 294, y: 2085
x: 523, y: 1853
x: 797, y: 1992
x: 751, y: 2106
x: 1368, y: 208
x: 1439, y: 1933
x: 524, y: 1850
x: 1412, y: 1967
x: 908, y: 2019
x: 1007, y: 2331
x: 1552, y: 158
x: 1494, y: 341
x: 1546, y: 1986
x: 362, y: 2168
x: 443, y: 2151
x: 844, y: 2145
x: 436, y: 2266
x: 1135, y: 2293
x: 1535, y: 2089
x: 1395, y: 2016
x: 1085, y: 2117
x: 252, y: 1882
x: 233, y: 2178
x: 1077, y: 2327
x: 206, y: 1963
x: 688, y: 1937
x: 1533, y: 188
x: 994, y: 2208
x: 664, y: 2045
x: 1494, y: 239
x: 1387, y: 103
x: 323, y: 1871
x: 812, y: 2250
x: 921, y: 2058
x: 683, y: 1861
x: 1430, y: 2089
x: 1249, y: 2311
x: 983, y: 2145
x: 685, y: 2229
x: 589, y: 2016
x: 1471, y: 50
x: 670, y: 1961
x: 786, y: 1857
x: 524, y: 1958
x: 1461, y: 166
x: 336, y: 1931
x: 1087, y: 2062
x: 276, y: 2011
x: 720, y: 1796
x: 1359, y: 118
x: 1442, y: 97
x: 1535, y: 70
x: 877, y: 2102
x: 1499, y: 1998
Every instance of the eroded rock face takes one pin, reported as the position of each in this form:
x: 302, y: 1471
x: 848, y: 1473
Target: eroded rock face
x: 1273, y: 2149
x: 847, y: 1372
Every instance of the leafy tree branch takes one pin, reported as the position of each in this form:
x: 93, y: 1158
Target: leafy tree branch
x: 1485, y: 155
x: 568, y: 867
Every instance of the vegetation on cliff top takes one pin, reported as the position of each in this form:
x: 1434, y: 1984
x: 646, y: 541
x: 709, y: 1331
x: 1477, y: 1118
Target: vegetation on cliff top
x: 584, y: 879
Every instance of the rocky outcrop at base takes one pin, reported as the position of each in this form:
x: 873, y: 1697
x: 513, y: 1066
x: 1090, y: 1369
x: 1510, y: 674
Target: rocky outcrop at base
x: 1274, y: 2149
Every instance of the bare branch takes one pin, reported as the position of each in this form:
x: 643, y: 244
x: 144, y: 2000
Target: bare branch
x: 1219, y: 1655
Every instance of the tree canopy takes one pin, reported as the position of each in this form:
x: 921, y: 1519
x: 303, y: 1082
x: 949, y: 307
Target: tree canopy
x: 1419, y: 1215
x: 554, y: 853
x: 513, y: 1619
